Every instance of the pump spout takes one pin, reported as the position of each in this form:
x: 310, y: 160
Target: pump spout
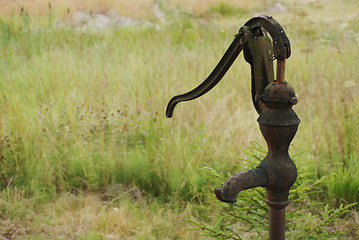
x: 239, y: 182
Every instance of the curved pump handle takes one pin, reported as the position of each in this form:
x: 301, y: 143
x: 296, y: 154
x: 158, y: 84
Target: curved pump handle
x: 281, y: 50
x: 216, y: 75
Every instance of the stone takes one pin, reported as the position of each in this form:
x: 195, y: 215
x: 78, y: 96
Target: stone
x: 80, y: 18
x: 100, y: 21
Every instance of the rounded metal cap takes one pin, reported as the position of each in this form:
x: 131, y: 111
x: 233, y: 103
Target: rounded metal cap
x: 279, y: 95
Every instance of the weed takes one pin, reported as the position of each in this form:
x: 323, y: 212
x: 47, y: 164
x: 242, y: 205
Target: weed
x: 306, y: 219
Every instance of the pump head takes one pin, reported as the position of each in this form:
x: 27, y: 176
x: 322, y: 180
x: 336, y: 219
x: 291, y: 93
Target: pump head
x: 259, y: 52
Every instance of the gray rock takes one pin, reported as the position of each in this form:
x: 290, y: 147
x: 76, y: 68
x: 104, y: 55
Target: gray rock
x: 104, y: 20
x: 112, y: 13
x: 159, y: 14
x: 125, y: 22
x: 277, y: 7
x: 60, y: 23
x: 80, y: 18
x: 100, y: 21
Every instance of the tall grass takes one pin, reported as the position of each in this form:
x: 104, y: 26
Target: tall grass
x: 83, y: 110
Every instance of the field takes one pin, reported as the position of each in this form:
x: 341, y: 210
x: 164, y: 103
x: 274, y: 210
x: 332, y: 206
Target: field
x: 86, y: 151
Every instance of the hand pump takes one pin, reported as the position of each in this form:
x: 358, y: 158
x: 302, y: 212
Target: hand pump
x: 273, y: 99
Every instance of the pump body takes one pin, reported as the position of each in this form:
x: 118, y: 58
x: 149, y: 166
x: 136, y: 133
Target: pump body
x: 273, y: 99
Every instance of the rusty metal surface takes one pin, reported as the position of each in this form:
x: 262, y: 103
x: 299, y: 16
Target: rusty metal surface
x: 277, y: 223
x: 257, y: 49
x: 273, y: 100
x: 277, y: 172
x: 279, y: 117
x: 281, y: 50
x: 241, y: 181
x: 281, y: 70
x: 281, y: 44
x: 278, y: 95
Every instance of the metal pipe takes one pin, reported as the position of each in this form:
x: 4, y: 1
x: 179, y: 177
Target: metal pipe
x: 281, y: 70
x: 241, y: 181
x: 276, y: 223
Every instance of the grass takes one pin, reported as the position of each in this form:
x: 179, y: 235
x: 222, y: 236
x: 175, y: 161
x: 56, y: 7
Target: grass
x: 83, y: 111
x: 225, y: 9
x: 91, y: 217
x: 138, y: 8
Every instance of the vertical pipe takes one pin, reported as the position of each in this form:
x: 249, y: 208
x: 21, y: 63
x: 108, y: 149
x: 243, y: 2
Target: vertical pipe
x: 281, y: 69
x: 276, y: 223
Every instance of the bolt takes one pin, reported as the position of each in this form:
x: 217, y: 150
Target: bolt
x: 294, y: 100
x: 257, y: 98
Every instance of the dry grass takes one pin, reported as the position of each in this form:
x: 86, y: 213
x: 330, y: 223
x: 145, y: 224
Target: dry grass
x: 89, y: 217
x: 201, y: 7
x: 137, y: 8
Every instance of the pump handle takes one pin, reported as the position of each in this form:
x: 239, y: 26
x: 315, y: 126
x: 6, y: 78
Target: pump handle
x: 281, y: 51
x: 216, y: 75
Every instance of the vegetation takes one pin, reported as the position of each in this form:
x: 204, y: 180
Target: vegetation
x: 87, y: 153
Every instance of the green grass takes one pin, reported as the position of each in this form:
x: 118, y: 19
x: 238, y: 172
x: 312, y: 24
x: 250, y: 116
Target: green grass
x: 84, y: 110
x: 225, y: 9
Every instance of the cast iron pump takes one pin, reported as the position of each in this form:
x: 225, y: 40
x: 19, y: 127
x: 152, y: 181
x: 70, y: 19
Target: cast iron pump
x: 273, y: 99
